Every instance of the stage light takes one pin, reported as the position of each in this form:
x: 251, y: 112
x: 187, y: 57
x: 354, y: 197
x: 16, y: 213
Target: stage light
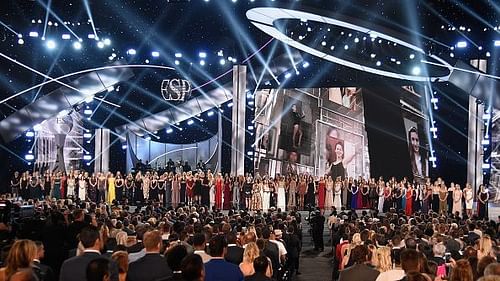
x: 87, y: 135
x: 155, y: 54
x: 178, y: 55
x: 51, y: 44
x: 480, y: 48
x: 373, y: 56
x: 202, y: 55
x: 234, y: 1
x: 323, y: 43
x: 91, y: 36
x: 100, y: 44
x: 176, y: 62
x: 20, y: 41
x: 412, y: 56
x: 461, y: 44
x: 124, y: 146
x: 87, y: 112
x: 148, y: 138
x: 250, y: 153
x: 416, y: 70
x: 222, y: 61
x: 190, y: 122
x: 66, y: 36
x: 251, y: 103
x: 346, y: 47
x: 488, y: 54
x: 496, y: 43
x: 356, y: 40
x: 33, y: 34
x: 486, y: 166
x: 485, y: 142
x: 131, y: 52
x: 30, y: 134
x: 77, y: 45
x: 250, y: 128
x: 107, y: 41
x: 29, y: 157
x: 202, y: 62
x: 210, y: 113
x: 452, y: 55
x: 288, y: 75
x: 89, y: 99
x: 434, y: 100
x: 378, y: 63
x: 87, y: 157
x: 433, y: 129
x: 230, y: 104
x: 305, y: 64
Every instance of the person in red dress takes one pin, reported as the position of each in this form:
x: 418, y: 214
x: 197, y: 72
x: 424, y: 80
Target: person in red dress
x: 227, y: 193
x: 189, y: 189
x: 359, y: 195
x: 321, y: 193
x: 63, y: 185
x: 218, y: 191
x: 409, y: 200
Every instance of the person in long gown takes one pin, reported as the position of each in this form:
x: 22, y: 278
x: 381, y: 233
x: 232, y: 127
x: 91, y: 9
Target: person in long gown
x: 130, y: 187
x: 153, y: 190
x: 450, y: 198
x: 182, y: 191
x: 146, y: 186
x: 469, y: 199
x: 205, y: 195
x: 92, y: 188
x: 56, y: 186
x: 226, y: 205
x: 161, y: 188
x: 457, y: 200
x: 417, y: 197
x: 426, y: 202
x: 443, y: 199
x: 189, y: 189
x: 119, y: 187
x: 365, y: 195
x: 281, y: 194
x: 302, y: 189
x: 176, y: 191
x: 168, y: 190
x: 409, y: 200
x: 359, y: 195
x: 403, y: 197
x: 64, y: 183
x: 266, y: 198
x: 138, y: 191
x: 236, y: 188
x: 111, y: 188
x: 336, y: 192
x: 329, y: 193
x: 71, y: 186
x: 311, y: 190
x: 219, y: 184
x: 256, y: 204
x: 211, y: 189
x: 388, y: 197
x: 348, y: 190
x: 82, y: 187
x: 292, y: 190
x: 435, y: 198
x: 381, y: 196
x: 354, y: 195
x: 482, y: 202
x: 321, y: 193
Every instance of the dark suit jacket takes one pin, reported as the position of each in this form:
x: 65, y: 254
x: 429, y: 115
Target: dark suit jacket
x: 75, y: 268
x: 472, y: 237
x: 43, y: 272
x: 137, y: 247
x: 151, y: 267
x: 272, y: 252
x: 258, y: 277
x: 359, y: 272
x: 234, y: 254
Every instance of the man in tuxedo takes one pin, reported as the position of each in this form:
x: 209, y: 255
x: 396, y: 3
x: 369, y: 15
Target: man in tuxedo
x: 75, y: 228
x: 260, y: 265
x: 234, y: 253
x: 472, y: 235
x: 199, y: 245
x: 74, y: 269
x: 175, y: 255
x: 42, y: 271
x: 217, y: 269
x: 360, y: 270
x: 152, y: 266
x: 271, y: 251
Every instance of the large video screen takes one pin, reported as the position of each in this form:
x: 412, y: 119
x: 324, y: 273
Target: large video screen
x: 316, y: 131
x: 495, y: 155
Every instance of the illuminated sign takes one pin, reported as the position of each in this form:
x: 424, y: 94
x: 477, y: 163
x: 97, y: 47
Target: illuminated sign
x: 175, y: 89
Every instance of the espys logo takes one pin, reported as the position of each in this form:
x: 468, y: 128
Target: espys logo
x: 175, y: 89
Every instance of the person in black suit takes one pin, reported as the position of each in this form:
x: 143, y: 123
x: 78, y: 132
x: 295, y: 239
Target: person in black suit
x: 174, y: 259
x: 472, y: 236
x: 75, y: 228
x: 152, y: 266
x: 42, y: 271
x: 260, y: 265
x: 293, y: 250
x: 234, y: 253
x: 360, y: 270
x: 74, y: 269
x: 271, y: 251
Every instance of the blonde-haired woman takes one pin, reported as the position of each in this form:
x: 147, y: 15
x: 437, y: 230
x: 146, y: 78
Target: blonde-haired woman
x: 249, y: 255
x: 485, y: 247
x: 121, y: 238
x: 384, y: 259
x: 346, y: 249
x: 20, y: 256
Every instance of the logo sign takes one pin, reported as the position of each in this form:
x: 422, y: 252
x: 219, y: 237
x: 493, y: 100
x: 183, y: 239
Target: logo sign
x: 175, y: 89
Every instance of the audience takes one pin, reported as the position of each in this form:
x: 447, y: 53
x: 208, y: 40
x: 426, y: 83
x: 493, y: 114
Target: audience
x: 217, y: 269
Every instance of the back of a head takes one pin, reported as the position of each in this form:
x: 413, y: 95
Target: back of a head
x: 483, y: 263
x: 89, y: 235
x: 462, y: 271
x: 175, y: 256
x: 359, y: 254
x: 489, y: 278
x: 152, y: 240
x: 260, y: 264
x: 266, y: 233
x: 492, y: 269
x: 199, y: 240
x: 21, y: 254
x: 192, y: 268
x: 121, y: 259
x: 439, y: 249
x: 411, y: 243
x: 217, y: 245
x: 251, y: 252
x: 98, y: 269
x: 231, y: 237
x: 409, y: 260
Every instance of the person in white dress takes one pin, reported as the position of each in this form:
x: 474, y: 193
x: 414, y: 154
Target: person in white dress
x: 82, y: 187
x: 281, y: 195
x: 266, y: 197
x: 70, y: 193
x: 469, y: 199
x: 381, y: 188
x: 337, y: 192
x: 211, y: 185
x: 329, y: 194
x: 457, y: 200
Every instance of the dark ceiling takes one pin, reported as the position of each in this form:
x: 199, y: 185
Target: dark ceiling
x: 221, y: 30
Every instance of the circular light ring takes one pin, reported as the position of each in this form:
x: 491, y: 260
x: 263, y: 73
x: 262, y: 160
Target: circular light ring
x: 264, y: 18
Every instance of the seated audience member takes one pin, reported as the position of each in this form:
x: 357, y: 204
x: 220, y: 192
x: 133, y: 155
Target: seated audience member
x: 121, y: 259
x: 438, y: 250
x: 42, y: 271
x: 217, y: 269
x: 74, y: 269
x: 261, y: 266
x: 193, y: 268
x: 462, y: 271
x: 234, y: 253
x: 360, y: 270
x: 251, y: 253
x: 24, y: 275
x: 199, y: 244
x: 492, y: 269
x: 483, y: 263
x: 98, y: 270
x: 152, y: 266
x: 175, y: 256
x: 20, y: 257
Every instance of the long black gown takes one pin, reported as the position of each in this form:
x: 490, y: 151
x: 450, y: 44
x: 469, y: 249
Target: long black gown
x: 310, y: 195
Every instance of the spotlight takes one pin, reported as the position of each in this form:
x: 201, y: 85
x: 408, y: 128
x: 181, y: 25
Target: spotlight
x: 230, y: 104
x: 155, y: 54
x: 488, y: 54
x: 148, y: 138
x: 496, y: 43
x: 356, y: 40
x: 202, y: 55
x: 412, y: 56
x: 107, y: 42
x: 452, y: 55
x: 33, y: 34
x: 305, y: 64
x: 29, y: 157
x: 323, y: 43
x: 373, y: 56
x: 110, y: 88
x: 176, y: 62
x: 202, y: 62
x: 51, y: 44
x: 378, y: 63
x: 87, y: 135
x: 20, y: 41
x: 190, y: 122
x: 178, y: 55
x: 30, y: 134
x: 87, y: 112
x: 87, y: 157
x: 91, y: 36
x: 131, y: 52
x: 66, y: 36
x: 169, y: 130
x: 461, y: 44
x: 210, y: 113
x: 222, y: 61
x: 416, y: 70
x: 346, y: 47
x: 124, y: 146
x: 77, y: 45
x: 288, y: 75
x: 100, y: 44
